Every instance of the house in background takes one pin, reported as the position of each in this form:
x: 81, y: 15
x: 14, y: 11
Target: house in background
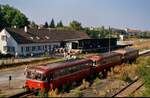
x: 36, y: 41
x: 133, y: 32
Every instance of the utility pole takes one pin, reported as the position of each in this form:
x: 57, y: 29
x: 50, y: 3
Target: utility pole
x: 109, y: 39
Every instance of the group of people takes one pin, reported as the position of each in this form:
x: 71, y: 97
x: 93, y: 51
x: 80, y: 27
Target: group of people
x: 69, y: 55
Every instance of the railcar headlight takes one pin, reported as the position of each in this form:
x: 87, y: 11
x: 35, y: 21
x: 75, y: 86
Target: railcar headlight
x: 39, y: 84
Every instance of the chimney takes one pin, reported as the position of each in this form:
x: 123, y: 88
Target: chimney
x: 25, y: 29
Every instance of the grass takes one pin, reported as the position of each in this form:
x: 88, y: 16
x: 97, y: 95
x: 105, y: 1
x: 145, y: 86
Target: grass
x: 53, y: 93
x: 143, y: 44
x: 97, y: 81
x: 144, y: 72
x: 124, y: 72
x: 128, y: 72
x: 76, y: 92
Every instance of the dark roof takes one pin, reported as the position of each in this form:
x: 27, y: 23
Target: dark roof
x: 45, y: 35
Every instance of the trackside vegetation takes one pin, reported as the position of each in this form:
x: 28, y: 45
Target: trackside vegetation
x: 144, y: 72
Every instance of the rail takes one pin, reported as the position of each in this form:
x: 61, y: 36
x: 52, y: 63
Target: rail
x: 129, y: 89
x: 144, y: 52
x: 24, y: 94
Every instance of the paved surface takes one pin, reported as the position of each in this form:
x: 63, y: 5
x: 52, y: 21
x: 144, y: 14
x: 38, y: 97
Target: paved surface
x: 16, y: 83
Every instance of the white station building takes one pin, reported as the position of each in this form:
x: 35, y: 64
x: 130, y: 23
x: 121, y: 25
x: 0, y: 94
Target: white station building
x: 36, y: 41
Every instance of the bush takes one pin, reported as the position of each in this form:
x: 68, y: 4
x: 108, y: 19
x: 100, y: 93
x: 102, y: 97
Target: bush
x: 6, y: 56
x: 97, y: 81
x: 125, y: 77
x: 77, y: 92
x: 53, y: 93
x: 85, y: 84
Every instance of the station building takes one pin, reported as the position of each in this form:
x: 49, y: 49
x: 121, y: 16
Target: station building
x: 27, y: 41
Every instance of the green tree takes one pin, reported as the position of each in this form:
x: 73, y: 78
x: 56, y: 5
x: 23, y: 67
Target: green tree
x: 60, y: 24
x: 46, y: 25
x: 52, y: 24
x: 33, y: 25
x: 12, y: 17
x: 100, y: 32
x: 75, y: 25
x: 2, y: 22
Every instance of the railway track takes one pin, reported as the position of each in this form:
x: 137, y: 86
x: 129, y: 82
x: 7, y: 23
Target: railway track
x: 31, y: 94
x: 129, y: 89
x: 145, y: 53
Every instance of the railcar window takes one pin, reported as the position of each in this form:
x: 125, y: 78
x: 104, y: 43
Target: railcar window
x: 43, y: 78
x: 103, y: 62
x: 36, y: 76
x: 69, y: 70
x: 109, y: 60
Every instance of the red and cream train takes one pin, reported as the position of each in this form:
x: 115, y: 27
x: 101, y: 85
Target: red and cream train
x: 54, y: 76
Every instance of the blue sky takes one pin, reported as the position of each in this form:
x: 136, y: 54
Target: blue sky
x: 114, y: 13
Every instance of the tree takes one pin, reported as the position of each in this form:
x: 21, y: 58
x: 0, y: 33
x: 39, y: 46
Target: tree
x: 2, y: 22
x: 75, y: 25
x: 46, y: 25
x: 60, y: 24
x: 52, y: 24
x: 10, y: 17
x: 33, y: 25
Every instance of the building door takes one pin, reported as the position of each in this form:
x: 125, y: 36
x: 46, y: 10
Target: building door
x: 62, y: 44
x: 74, y: 45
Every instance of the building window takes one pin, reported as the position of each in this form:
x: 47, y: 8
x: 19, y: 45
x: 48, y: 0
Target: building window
x: 3, y: 37
x: 33, y: 48
x: 45, y: 47
x: 9, y: 48
x: 5, y: 48
x: 27, y: 49
x: 49, y: 47
x: 21, y: 49
x: 39, y: 48
x: 55, y: 46
x: 13, y: 49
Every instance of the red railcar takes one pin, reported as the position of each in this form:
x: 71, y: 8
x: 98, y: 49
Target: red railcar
x: 106, y: 61
x: 58, y: 75
x: 54, y: 76
x: 128, y: 54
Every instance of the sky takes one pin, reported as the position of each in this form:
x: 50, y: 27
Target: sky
x: 114, y: 13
